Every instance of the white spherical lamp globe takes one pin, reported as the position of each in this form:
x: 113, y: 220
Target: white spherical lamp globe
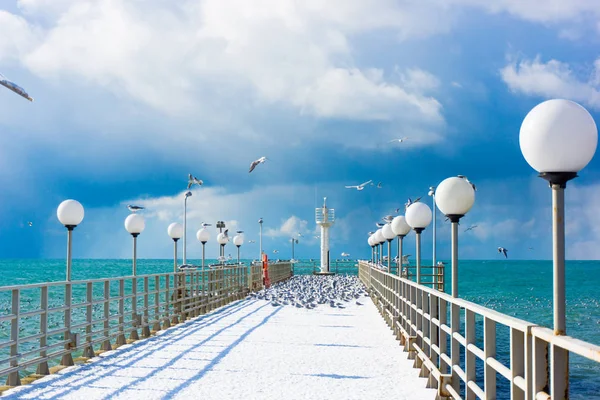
x: 135, y: 224
x: 418, y: 215
x: 370, y: 241
x: 388, y: 232
x: 558, y: 136
x: 175, y: 231
x: 222, y: 239
x: 203, y: 235
x: 70, y: 213
x: 399, y: 226
x: 454, y: 196
x: 238, y: 240
x: 379, y: 236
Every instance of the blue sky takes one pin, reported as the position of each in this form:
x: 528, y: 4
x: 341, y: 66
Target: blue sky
x: 131, y: 97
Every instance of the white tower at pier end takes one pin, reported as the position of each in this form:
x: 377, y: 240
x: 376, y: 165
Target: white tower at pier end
x: 325, y: 218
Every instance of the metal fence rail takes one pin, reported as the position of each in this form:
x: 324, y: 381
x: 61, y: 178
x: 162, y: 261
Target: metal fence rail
x: 50, y: 323
x: 453, y: 340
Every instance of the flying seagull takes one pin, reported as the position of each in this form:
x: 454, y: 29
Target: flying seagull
x: 468, y: 181
x: 379, y: 224
x: 397, y: 210
x: 275, y: 251
x: 410, y: 201
x: 388, y: 218
x: 251, y: 241
x: 503, y: 250
x: 14, y: 87
x: 225, y: 233
x: 530, y: 248
x: 192, y: 180
x: 254, y: 163
x: 359, y: 187
x: 133, y: 208
x: 30, y: 223
x: 204, y: 225
x: 399, y: 140
x: 379, y: 185
x: 470, y: 228
x: 317, y: 236
x: 345, y: 254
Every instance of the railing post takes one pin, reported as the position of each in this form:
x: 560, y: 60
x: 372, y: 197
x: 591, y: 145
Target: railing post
x: 454, y: 344
x: 106, y: 343
x: 121, y: 338
x: 42, y: 368
x: 469, y: 356
x: 489, y: 350
x: 67, y: 359
x: 88, y: 351
x: 13, y: 378
x: 167, y: 317
x: 145, y: 325
x: 540, y: 366
x: 175, y: 318
x: 135, y: 318
x: 443, y: 317
x: 157, y: 314
x: 517, y: 363
x: 433, y: 329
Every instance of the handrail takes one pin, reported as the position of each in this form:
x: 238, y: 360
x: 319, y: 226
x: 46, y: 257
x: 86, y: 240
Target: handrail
x: 109, y: 312
x: 442, y: 333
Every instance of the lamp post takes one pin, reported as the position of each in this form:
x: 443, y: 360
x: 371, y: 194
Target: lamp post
x: 380, y: 240
x: 401, y: 229
x: 134, y: 224
x: 187, y: 194
x: 238, y: 241
x: 220, y: 225
x: 70, y: 213
x: 175, y: 231
x: 260, y: 222
x: 418, y: 217
x: 455, y: 197
x: 372, y: 245
x: 389, y: 235
x: 432, y: 194
x: 558, y: 138
x: 203, y: 235
x: 222, y: 240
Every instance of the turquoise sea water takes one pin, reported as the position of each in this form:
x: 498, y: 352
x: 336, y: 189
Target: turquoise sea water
x: 518, y: 288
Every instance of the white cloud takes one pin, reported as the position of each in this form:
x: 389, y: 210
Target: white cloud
x: 553, y: 79
x: 290, y: 228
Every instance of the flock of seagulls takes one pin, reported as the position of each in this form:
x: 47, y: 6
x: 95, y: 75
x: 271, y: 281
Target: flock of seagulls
x: 309, y: 291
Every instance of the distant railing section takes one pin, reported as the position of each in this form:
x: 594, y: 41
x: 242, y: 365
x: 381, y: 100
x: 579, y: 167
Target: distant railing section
x: 454, y: 342
x: 432, y: 277
x: 49, y: 323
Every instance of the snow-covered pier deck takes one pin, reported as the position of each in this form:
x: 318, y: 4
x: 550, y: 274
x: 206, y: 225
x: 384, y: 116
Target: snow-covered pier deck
x: 253, y: 350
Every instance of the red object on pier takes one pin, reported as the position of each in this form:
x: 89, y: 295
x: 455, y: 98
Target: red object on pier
x: 266, y: 280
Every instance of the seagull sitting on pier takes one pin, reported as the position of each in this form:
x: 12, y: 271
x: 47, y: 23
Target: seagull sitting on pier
x: 468, y: 181
x: 359, y: 187
x: 133, y: 208
x: 470, y: 228
x: 192, y: 180
x: 254, y: 163
x: 503, y: 250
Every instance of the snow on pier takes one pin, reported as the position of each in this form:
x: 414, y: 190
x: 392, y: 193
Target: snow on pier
x: 250, y: 349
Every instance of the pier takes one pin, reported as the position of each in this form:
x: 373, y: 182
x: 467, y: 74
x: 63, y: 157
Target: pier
x: 191, y: 334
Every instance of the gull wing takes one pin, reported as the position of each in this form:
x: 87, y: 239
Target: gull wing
x: 14, y: 87
x: 253, y: 165
x: 366, y: 183
x: 351, y: 187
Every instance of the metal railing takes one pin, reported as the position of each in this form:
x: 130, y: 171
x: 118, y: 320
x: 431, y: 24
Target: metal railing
x: 454, y: 343
x: 50, y: 323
